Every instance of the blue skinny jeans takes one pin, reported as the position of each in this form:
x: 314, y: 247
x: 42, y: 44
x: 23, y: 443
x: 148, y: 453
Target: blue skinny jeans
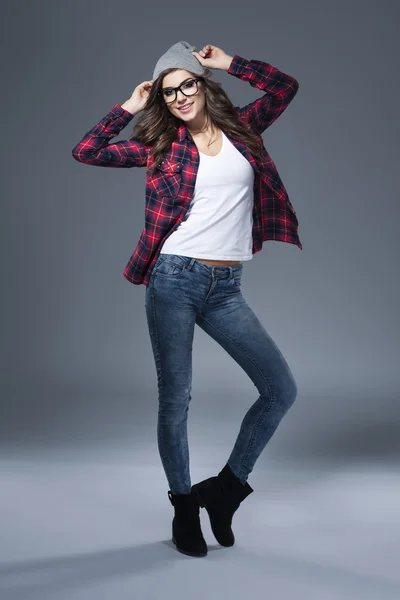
x: 182, y: 292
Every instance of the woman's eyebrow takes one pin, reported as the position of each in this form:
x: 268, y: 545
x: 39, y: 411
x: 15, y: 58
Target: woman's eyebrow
x: 171, y: 88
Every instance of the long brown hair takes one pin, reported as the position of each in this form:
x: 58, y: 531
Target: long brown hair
x: 157, y: 127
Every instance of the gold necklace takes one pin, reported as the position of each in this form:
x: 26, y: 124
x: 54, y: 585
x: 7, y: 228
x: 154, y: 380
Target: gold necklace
x: 210, y: 140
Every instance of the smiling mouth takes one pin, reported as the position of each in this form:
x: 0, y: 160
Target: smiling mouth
x: 185, y: 108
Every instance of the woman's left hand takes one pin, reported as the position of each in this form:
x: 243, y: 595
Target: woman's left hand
x: 214, y: 58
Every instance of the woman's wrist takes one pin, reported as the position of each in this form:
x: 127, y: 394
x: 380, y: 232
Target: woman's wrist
x: 129, y: 107
x: 229, y: 60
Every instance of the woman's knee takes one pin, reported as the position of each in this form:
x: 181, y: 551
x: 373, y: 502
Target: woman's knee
x: 289, y: 391
x: 283, y: 392
x: 174, y: 409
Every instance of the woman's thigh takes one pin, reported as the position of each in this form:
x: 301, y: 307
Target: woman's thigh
x: 237, y: 329
x: 171, y: 320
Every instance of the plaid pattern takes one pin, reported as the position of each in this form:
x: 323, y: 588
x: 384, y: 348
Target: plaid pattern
x: 170, y: 189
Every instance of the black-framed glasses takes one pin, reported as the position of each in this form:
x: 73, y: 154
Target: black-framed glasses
x: 188, y: 88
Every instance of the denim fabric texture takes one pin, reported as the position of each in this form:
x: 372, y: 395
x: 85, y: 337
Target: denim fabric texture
x: 182, y: 292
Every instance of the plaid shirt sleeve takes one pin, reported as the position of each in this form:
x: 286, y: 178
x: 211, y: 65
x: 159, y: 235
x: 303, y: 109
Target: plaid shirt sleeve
x: 280, y: 89
x: 95, y: 148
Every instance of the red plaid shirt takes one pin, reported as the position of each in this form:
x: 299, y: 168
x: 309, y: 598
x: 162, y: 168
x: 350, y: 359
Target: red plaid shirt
x: 170, y: 189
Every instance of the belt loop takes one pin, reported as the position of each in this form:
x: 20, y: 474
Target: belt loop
x: 190, y: 264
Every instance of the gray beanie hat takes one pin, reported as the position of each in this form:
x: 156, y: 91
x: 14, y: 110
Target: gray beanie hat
x: 179, y: 56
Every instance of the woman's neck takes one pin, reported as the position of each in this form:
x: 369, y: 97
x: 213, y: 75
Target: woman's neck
x: 204, y: 129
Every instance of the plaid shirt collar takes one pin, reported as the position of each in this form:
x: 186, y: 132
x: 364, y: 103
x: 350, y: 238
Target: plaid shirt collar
x: 183, y: 132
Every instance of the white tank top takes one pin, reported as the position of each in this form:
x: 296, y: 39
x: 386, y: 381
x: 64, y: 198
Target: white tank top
x: 219, y: 221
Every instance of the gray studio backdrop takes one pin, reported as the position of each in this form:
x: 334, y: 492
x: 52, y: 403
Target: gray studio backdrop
x: 77, y: 365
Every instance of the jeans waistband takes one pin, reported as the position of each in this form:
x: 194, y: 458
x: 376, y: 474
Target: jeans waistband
x: 195, y: 265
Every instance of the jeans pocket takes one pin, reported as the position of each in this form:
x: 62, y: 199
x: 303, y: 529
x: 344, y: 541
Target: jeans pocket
x: 237, y: 279
x: 169, y: 268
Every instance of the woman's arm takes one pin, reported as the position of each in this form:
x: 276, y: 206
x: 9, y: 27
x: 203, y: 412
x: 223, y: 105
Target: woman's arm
x: 95, y: 149
x: 280, y: 89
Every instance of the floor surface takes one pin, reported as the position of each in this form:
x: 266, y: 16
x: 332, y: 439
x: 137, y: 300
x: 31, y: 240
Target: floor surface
x: 82, y: 526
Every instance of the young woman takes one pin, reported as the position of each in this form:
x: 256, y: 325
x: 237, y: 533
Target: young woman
x: 213, y: 196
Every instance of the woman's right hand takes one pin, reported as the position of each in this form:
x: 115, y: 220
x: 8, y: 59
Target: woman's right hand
x: 139, y: 97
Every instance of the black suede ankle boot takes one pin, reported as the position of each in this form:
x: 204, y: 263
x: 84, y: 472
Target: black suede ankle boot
x: 186, y: 529
x: 221, y: 497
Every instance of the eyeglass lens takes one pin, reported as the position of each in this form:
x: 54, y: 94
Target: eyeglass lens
x: 188, y: 88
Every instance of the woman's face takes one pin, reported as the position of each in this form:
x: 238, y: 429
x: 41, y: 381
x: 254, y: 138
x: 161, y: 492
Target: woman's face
x: 197, y: 101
